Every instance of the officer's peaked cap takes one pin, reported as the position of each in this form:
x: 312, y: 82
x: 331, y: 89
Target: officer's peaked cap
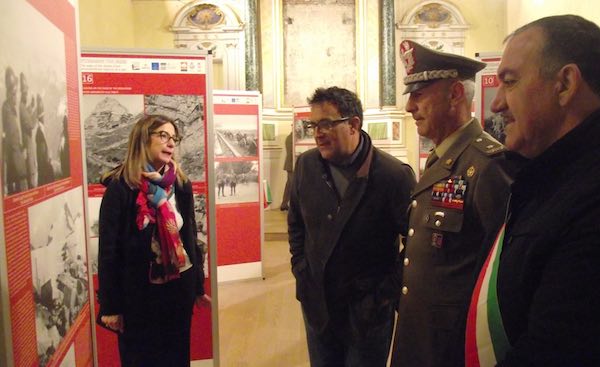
x: 424, y: 66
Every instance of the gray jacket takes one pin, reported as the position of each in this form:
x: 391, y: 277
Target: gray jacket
x: 345, y: 248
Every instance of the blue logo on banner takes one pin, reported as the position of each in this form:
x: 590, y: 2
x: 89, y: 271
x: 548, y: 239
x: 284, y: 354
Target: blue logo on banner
x: 154, y: 66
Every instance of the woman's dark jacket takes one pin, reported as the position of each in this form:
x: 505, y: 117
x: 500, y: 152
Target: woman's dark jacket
x: 124, y: 252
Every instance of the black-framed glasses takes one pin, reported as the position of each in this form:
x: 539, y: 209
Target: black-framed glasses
x: 165, y: 137
x: 323, y: 125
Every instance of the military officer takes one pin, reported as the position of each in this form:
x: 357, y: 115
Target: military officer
x: 459, y: 200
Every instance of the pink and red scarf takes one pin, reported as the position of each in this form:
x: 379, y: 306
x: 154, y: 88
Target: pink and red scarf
x: 166, y: 267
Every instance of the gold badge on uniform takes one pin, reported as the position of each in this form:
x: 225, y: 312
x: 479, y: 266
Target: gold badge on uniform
x: 471, y: 171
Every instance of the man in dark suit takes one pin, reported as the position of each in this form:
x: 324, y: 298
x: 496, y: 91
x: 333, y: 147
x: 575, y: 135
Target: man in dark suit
x: 288, y: 167
x: 537, y: 298
x: 347, y: 209
x: 459, y: 199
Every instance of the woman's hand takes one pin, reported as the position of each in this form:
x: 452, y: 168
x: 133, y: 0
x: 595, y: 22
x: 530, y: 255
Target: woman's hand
x: 156, y: 195
x: 152, y: 176
x: 203, y: 301
x: 114, y: 322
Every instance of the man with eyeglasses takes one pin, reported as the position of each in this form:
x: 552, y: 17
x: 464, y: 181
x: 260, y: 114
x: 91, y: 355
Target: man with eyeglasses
x: 459, y: 200
x: 347, y: 209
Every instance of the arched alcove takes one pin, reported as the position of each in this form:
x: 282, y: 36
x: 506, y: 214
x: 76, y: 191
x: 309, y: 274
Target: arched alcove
x: 435, y: 24
x: 215, y: 26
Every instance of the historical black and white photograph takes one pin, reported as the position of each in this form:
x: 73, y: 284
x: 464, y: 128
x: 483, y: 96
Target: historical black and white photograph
x: 93, y: 223
x: 493, y: 123
x: 302, y: 134
x: 237, y: 182
x: 33, y: 94
x: 236, y: 136
x: 187, y: 111
x: 58, y: 266
x: 107, y: 121
x: 200, y: 207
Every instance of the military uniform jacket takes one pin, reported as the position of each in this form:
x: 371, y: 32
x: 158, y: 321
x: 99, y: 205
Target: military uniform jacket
x: 344, y: 248
x: 457, y: 202
x: 549, y: 272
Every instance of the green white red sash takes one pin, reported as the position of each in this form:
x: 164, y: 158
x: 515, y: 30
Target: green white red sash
x: 486, y: 340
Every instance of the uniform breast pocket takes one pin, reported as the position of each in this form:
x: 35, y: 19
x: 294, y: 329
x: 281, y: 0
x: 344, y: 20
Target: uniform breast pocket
x: 445, y: 226
x: 444, y: 220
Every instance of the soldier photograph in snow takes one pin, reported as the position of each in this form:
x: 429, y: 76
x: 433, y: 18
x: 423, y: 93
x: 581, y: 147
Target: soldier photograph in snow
x: 107, y: 122
x: 237, y: 182
x: 33, y: 97
x: 58, y: 268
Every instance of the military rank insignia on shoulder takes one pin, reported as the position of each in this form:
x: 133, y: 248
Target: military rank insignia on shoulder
x: 449, y: 193
x: 488, y: 145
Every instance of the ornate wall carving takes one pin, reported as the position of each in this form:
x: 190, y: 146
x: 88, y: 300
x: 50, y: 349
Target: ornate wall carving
x: 217, y: 27
x: 436, y: 24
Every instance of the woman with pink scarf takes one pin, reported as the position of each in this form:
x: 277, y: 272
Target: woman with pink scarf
x: 149, y: 266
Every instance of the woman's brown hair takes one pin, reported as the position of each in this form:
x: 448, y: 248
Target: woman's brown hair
x: 137, y: 151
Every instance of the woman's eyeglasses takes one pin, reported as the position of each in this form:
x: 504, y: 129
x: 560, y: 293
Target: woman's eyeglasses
x: 323, y: 125
x: 165, y: 136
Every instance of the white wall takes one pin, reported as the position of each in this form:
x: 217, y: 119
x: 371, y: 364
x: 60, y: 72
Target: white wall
x: 520, y: 12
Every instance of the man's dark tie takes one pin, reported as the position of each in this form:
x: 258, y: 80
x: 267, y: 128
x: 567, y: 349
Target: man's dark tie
x: 431, y: 159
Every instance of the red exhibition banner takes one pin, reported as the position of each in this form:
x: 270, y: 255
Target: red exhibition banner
x: 238, y: 139
x: 487, y: 86
x: 118, y: 88
x: 46, y: 272
x: 303, y: 138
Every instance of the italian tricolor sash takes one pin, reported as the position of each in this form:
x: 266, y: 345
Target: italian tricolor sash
x: 486, y: 340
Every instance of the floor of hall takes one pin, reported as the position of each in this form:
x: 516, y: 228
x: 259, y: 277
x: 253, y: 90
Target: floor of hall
x: 260, y: 322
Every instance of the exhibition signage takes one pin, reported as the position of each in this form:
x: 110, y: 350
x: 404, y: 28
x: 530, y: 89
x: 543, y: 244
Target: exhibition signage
x: 486, y: 83
x: 303, y: 138
x: 238, y: 176
x: 45, y: 318
x: 119, y: 86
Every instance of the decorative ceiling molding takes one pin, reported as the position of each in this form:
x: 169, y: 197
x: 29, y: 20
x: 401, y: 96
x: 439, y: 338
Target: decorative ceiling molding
x: 207, y: 15
x: 431, y: 15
